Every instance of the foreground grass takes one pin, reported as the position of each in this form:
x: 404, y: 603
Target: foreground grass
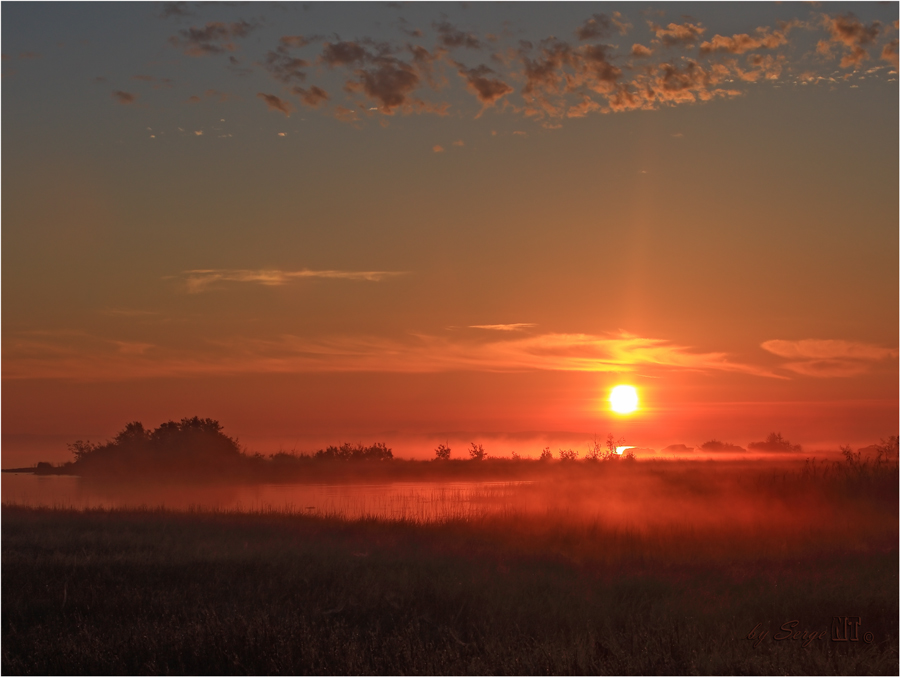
x: 102, y: 592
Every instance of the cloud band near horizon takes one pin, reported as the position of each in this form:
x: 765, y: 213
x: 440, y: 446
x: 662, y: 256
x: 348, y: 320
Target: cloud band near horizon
x: 201, y: 280
x: 84, y: 357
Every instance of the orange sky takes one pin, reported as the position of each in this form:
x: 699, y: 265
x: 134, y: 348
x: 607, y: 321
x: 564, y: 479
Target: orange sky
x: 495, y: 214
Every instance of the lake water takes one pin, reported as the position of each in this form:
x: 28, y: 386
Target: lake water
x: 421, y: 501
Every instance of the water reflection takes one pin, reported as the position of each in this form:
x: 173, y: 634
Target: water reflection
x: 421, y: 501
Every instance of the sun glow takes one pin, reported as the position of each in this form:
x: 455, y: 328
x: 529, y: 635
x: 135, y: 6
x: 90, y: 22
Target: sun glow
x: 623, y: 399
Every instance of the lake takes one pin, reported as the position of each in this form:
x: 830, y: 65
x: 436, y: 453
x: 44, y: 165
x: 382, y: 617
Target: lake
x: 420, y: 501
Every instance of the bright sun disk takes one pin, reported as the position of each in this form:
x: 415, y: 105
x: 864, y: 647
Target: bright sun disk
x: 623, y: 399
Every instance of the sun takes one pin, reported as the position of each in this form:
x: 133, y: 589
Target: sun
x: 623, y: 399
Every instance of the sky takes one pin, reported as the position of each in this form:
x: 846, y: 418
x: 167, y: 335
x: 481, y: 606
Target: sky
x: 449, y: 222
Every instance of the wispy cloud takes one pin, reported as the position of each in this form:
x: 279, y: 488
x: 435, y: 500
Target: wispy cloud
x: 828, y: 358
x: 277, y: 104
x: 82, y: 357
x: 203, y: 280
x: 125, y: 98
x: 517, y: 326
x: 128, y: 312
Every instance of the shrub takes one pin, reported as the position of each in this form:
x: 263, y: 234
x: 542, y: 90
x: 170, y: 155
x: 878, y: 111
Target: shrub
x: 546, y: 454
x: 476, y: 452
x: 716, y: 445
x: 595, y: 451
x: 442, y: 453
x: 356, y: 452
x: 774, y: 442
x: 568, y: 455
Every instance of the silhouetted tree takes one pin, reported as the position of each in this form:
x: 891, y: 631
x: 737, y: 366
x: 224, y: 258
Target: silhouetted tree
x: 774, y: 442
x: 611, y: 445
x: 595, y: 450
x: 442, y: 453
x: 546, y: 454
x: 194, y: 444
x: 716, y: 445
x: 476, y: 452
x: 888, y: 450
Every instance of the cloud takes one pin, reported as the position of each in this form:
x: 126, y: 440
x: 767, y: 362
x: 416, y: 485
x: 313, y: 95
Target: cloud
x: 488, y: 90
x: 516, y: 326
x: 128, y: 312
x: 125, y: 98
x: 389, y: 83
x: 298, y: 40
x: 451, y: 37
x: 437, y: 149
x: 827, y: 368
x: 827, y: 349
x: 828, y: 358
x: 215, y: 37
x: 275, y: 103
x: 343, y: 54
x: 640, y: 52
x: 669, y: 84
x: 344, y: 114
x: 284, y: 67
x: 383, y: 79
x: 848, y: 31
x: 202, y: 280
x: 677, y: 34
x: 579, y: 110
x: 742, y: 42
x: 403, y: 24
x: 79, y: 356
x: 601, y: 26
x: 555, y: 352
x: 424, y: 61
x: 889, y: 53
x: 171, y: 9
x: 312, y: 97
x: 158, y: 83
x: 561, y: 69
x: 559, y: 79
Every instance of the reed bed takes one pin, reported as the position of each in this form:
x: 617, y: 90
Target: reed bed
x: 651, y: 571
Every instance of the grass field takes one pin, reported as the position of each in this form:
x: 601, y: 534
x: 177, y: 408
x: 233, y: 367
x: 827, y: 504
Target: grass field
x: 673, y: 582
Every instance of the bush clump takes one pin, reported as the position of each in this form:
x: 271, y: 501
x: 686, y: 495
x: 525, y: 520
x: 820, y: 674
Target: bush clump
x: 356, y: 452
x: 192, y: 444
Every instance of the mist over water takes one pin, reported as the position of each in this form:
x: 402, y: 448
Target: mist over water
x: 419, y: 501
x: 787, y: 498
